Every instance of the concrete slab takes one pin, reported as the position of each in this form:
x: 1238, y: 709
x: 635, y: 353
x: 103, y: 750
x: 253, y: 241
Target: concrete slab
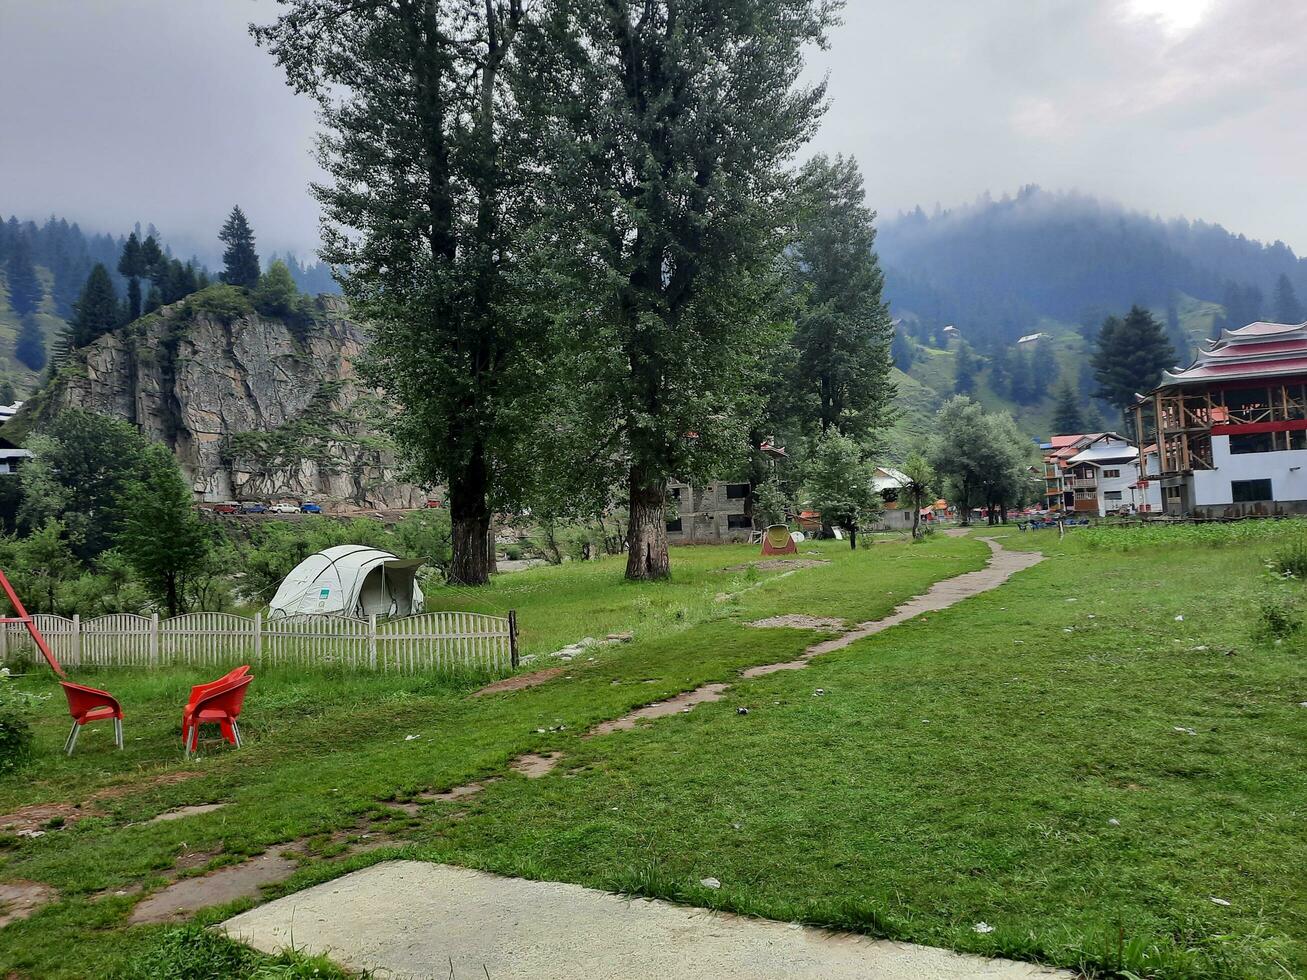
x: 413, y: 919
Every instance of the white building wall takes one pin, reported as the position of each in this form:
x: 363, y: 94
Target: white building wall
x: 1287, y: 472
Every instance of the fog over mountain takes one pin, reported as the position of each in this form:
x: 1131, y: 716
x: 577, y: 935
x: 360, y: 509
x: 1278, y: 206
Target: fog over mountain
x: 166, y: 112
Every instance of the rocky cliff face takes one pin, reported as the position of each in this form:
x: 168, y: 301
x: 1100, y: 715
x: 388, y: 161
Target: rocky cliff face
x: 255, y: 407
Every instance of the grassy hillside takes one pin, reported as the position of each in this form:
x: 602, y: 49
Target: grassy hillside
x: 24, y: 380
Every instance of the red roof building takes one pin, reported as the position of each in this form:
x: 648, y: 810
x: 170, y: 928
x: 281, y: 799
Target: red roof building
x: 1231, y: 428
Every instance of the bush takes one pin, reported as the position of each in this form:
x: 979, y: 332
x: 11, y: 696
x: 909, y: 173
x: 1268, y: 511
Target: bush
x: 1291, y: 561
x: 513, y: 552
x: 1278, y: 617
x: 1216, y: 534
x: 193, y: 953
x: 16, y: 709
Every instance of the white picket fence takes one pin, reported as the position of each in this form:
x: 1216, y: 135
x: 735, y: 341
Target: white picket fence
x: 438, y: 642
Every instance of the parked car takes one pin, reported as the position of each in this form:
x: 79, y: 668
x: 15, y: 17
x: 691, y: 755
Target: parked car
x: 253, y: 507
x: 227, y: 507
x: 309, y: 507
x: 284, y: 509
x: 434, y: 503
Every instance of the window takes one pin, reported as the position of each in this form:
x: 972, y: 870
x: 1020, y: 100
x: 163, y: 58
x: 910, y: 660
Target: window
x: 1250, y: 491
x: 1259, y: 442
x: 674, y: 525
x: 675, y: 493
x: 737, y: 491
x: 1111, y: 474
x: 1112, y: 495
x: 737, y: 521
x: 1173, y: 492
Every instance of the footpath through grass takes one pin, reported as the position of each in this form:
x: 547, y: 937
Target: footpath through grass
x: 1087, y: 759
x: 326, y: 751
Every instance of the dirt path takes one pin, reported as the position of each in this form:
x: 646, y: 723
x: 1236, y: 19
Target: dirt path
x: 1002, y: 565
x: 413, y: 919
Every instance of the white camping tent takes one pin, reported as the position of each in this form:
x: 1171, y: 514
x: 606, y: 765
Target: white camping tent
x: 349, y: 580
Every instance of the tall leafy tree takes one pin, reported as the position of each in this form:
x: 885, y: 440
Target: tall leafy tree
x: 82, y: 464
x: 1022, y: 384
x: 1129, y: 357
x: 240, y: 261
x: 25, y: 289
x: 29, y: 345
x: 1287, y: 307
x: 96, y: 311
x: 668, y: 124
x: 839, y: 484
x: 132, y: 265
x: 843, y: 331
x: 1067, y: 417
x: 426, y: 210
x: 276, y: 293
x: 161, y: 535
x: 1043, y: 370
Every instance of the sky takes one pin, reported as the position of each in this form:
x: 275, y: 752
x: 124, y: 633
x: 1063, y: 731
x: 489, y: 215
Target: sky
x: 164, y: 111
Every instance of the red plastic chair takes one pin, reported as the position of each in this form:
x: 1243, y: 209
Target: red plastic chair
x: 199, y: 690
x: 220, y: 707
x: 91, y: 704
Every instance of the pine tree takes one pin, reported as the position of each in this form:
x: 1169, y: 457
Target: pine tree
x: 1023, y: 380
x: 240, y: 261
x: 132, y: 265
x: 965, y: 366
x: 25, y: 289
x: 1043, y: 370
x: 1067, y: 417
x: 1287, y: 307
x: 29, y: 345
x: 1129, y: 357
x: 96, y: 311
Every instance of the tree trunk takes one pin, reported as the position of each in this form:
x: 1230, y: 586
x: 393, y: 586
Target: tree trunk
x: 916, y: 519
x: 470, y: 523
x: 492, y: 550
x: 646, y: 534
x: 853, y: 537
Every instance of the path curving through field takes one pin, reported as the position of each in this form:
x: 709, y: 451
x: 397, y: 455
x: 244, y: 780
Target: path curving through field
x: 1002, y: 565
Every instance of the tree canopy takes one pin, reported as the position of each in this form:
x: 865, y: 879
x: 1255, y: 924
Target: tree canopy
x: 97, y: 311
x: 665, y: 130
x: 1129, y: 357
x: 839, y: 484
x: 239, y: 260
x: 433, y: 256
x: 842, y: 331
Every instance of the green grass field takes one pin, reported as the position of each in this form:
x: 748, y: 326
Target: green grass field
x: 1014, y: 759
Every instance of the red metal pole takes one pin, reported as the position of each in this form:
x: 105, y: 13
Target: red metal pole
x: 26, y: 620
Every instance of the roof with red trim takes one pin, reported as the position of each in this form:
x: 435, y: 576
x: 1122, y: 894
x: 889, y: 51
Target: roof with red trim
x: 1259, y: 350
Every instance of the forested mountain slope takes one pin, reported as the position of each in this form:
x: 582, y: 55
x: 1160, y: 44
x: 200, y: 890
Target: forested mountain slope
x: 1058, y: 264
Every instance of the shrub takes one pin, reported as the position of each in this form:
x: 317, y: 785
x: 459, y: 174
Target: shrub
x: 513, y: 552
x: 1291, y: 560
x: 1279, y: 616
x: 193, y: 953
x: 15, y: 730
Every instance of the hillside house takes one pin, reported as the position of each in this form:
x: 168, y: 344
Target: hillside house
x: 1231, y: 428
x: 1031, y: 339
x: 12, y: 457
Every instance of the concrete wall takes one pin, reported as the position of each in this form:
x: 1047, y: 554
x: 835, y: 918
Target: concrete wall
x: 705, y: 513
x: 1287, y: 472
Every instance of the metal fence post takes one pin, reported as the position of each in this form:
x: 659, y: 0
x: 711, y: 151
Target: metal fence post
x: 258, y: 638
x: 512, y: 637
x: 154, y: 639
x: 372, y: 640
x: 77, y: 639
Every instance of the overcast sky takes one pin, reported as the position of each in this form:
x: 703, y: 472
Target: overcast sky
x: 113, y: 111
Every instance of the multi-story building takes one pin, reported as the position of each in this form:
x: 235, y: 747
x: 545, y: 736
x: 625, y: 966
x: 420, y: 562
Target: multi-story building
x: 1096, y: 473
x: 1231, y: 429
x: 710, y: 514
